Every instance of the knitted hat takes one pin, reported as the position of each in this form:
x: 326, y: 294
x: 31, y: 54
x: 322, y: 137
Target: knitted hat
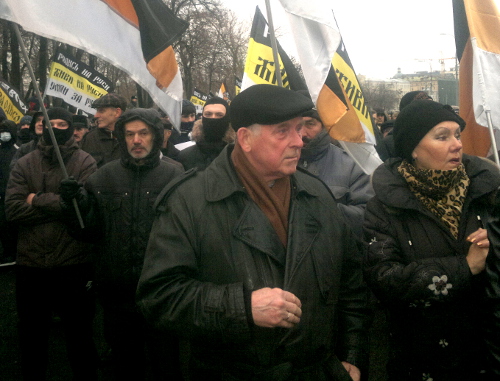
x: 110, y: 100
x: 411, y: 96
x: 60, y: 113
x: 416, y: 120
x: 217, y: 100
x: 267, y: 104
x: 25, y: 120
x: 188, y: 107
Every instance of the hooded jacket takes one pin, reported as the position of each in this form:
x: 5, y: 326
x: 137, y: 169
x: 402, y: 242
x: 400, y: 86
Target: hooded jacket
x: 347, y: 181
x: 44, y: 241
x: 418, y: 270
x: 211, y: 245
x: 122, y: 194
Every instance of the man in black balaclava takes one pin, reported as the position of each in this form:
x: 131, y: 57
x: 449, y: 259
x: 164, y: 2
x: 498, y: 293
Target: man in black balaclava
x: 211, y: 135
x: 53, y: 268
x: 24, y: 134
x: 188, y: 116
x: 8, y: 234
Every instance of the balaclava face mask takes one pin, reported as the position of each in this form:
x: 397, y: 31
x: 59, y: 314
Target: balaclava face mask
x: 62, y: 136
x: 214, y: 129
x: 186, y: 126
x: 24, y: 135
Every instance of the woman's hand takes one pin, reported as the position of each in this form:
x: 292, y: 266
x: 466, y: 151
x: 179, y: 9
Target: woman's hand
x: 478, y: 251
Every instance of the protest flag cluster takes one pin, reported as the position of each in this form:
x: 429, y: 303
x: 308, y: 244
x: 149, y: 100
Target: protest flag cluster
x: 133, y: 35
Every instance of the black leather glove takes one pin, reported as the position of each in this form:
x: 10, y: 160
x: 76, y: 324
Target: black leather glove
x: 70, y: 189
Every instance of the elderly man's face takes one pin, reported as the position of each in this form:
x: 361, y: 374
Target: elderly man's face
x: 273, y: 150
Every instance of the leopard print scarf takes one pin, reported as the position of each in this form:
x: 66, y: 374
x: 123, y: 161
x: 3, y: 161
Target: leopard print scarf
x: 441, y: 192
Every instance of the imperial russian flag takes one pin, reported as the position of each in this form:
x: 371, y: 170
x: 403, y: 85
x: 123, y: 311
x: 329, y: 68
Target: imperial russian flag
x: 477, y: 31
x: 133, y: 35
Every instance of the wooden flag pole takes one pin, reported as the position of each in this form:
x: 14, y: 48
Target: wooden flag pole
x: 45, y: 115
x: 274, y: 44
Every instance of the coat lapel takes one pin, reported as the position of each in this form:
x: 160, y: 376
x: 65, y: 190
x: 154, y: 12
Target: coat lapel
x: 255, y: 230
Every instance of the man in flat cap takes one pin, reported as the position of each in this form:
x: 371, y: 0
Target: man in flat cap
x: 101, y: 142
x: 252, y: 262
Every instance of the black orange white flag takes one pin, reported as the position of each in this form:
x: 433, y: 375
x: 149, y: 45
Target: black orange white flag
x: 331, y: 79
x: 133, y: 35
x: 477, y: 31
x: 260, y: 65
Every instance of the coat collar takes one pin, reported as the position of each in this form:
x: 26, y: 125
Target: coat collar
x: 222, y: 181
x: 391, y: 188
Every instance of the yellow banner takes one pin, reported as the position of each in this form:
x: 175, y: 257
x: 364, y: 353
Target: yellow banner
x: 74, y: 81
x: 349, y: 81
x: 259, y: 66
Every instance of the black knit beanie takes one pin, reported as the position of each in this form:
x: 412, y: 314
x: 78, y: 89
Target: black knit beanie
x: 416, y: 120
x: 62, y: 136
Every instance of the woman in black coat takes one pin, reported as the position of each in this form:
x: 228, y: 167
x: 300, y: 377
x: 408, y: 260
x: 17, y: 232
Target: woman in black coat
x: 427, y: 246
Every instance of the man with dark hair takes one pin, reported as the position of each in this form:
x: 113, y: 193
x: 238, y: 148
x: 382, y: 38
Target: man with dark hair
x: 54, y: 273
x: 251, y: 260
x: 101, y: 142
x: 117, y: 206
x: 211, y: 135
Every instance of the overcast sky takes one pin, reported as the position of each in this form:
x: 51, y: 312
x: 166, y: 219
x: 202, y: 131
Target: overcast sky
x: 379, y: 35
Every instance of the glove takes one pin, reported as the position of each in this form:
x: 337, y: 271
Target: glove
x: 70, y: 189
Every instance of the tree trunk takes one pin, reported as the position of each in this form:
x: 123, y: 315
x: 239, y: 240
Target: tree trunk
x: 15, y: 79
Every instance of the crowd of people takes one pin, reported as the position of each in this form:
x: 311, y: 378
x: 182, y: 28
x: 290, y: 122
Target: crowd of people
x: 248, y: 245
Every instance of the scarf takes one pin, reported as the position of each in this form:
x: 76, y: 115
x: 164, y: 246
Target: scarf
x: 273, y: 200
x: 442, y: 192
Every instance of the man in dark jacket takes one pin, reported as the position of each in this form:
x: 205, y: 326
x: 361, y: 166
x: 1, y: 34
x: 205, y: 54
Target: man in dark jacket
x: 213, y: 136
x: 251, y: 260
x: 117, y: 204
x: 35, y: 132
x: 53, y: 269
x: 101, y: 142
x: 8, y: 233
x: 347, y: 181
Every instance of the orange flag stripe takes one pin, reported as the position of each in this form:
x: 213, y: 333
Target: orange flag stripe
x: 484, y: 23
x: 475, y: 138
x: 125, y: 9
x: 164, y: 67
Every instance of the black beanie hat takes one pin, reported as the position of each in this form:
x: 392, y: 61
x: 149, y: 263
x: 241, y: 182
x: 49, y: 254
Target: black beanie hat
x: 60, y: 113
x: 188, y: 107
x: 217, y: 100
x: 267, y: 104
x: 411, y: 96
x: 416, y: 120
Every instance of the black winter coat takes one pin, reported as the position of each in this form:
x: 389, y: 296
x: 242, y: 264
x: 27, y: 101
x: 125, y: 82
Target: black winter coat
x: 120, y: 199
x: 102, y: 145
x: 211, y: 245
x: 419, y: 272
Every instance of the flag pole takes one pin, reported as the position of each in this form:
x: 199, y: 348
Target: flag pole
x: 274, y: 45
x: 45, y: 115
x: 492, y: 136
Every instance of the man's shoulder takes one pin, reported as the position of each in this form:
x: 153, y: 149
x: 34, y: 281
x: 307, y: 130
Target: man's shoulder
x: 186, y: 184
